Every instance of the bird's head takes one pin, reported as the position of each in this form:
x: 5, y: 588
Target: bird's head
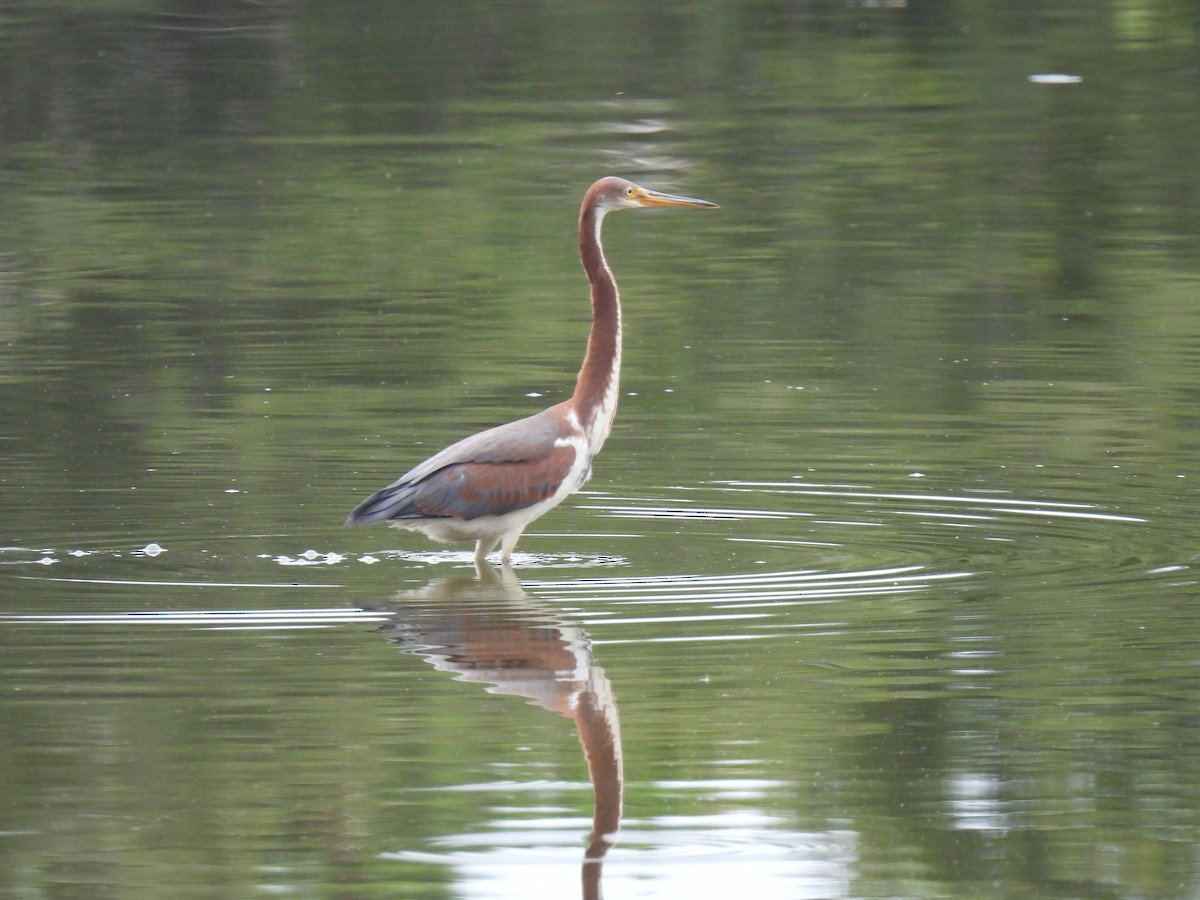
x: 617, y: 193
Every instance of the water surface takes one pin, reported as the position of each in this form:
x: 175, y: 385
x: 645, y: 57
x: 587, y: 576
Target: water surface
x: 884, y: 585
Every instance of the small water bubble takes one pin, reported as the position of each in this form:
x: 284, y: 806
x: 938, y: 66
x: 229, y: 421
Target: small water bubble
x: 151, y: 549
x: 310, y: 554
x: 46, y: 561
x: 368, y: 559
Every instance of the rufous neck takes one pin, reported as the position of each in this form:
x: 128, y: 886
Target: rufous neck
x: 596, y: 387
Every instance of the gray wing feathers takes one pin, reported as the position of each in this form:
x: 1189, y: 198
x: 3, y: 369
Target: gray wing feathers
x: 496, y: 471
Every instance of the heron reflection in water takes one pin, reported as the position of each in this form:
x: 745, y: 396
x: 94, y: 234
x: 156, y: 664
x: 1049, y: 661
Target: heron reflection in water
x: 488, y: 630
x: 488, y: 487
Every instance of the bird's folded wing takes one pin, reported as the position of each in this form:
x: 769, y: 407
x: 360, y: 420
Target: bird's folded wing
x: 468, y: 490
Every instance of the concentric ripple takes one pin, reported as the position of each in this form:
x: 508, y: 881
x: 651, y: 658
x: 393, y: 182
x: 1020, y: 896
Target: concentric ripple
x: 839, y: 527
x: 791, y: 544
x: 732, y: 550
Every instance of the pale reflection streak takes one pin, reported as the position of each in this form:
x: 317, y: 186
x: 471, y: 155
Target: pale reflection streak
x: 489, y: 631
x: 216, y: 620
x: 690, y: 512
x: 995, y: 504
x: 961, y: 508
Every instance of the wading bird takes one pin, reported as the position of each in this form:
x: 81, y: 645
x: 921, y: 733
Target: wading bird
x: 488, y: 487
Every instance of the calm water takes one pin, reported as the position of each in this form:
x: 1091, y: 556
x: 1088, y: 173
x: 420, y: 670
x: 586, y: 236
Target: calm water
x: 885, y: 584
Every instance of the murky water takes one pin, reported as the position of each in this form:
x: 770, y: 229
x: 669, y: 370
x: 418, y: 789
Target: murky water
x: 884, y: 586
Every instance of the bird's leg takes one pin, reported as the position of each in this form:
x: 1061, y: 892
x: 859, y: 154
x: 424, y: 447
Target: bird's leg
x: 483, y: 547
x: 509, y: 545
x: 489, y: 574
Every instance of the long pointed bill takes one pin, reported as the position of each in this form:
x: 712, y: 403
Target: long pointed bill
x: 647, y: 197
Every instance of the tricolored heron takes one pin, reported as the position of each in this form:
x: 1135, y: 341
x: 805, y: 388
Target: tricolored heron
x: 488, y: 487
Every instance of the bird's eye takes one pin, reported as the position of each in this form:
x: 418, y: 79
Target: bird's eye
x: 629, y: 192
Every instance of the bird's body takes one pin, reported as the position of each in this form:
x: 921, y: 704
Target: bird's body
x: 488, y: 487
